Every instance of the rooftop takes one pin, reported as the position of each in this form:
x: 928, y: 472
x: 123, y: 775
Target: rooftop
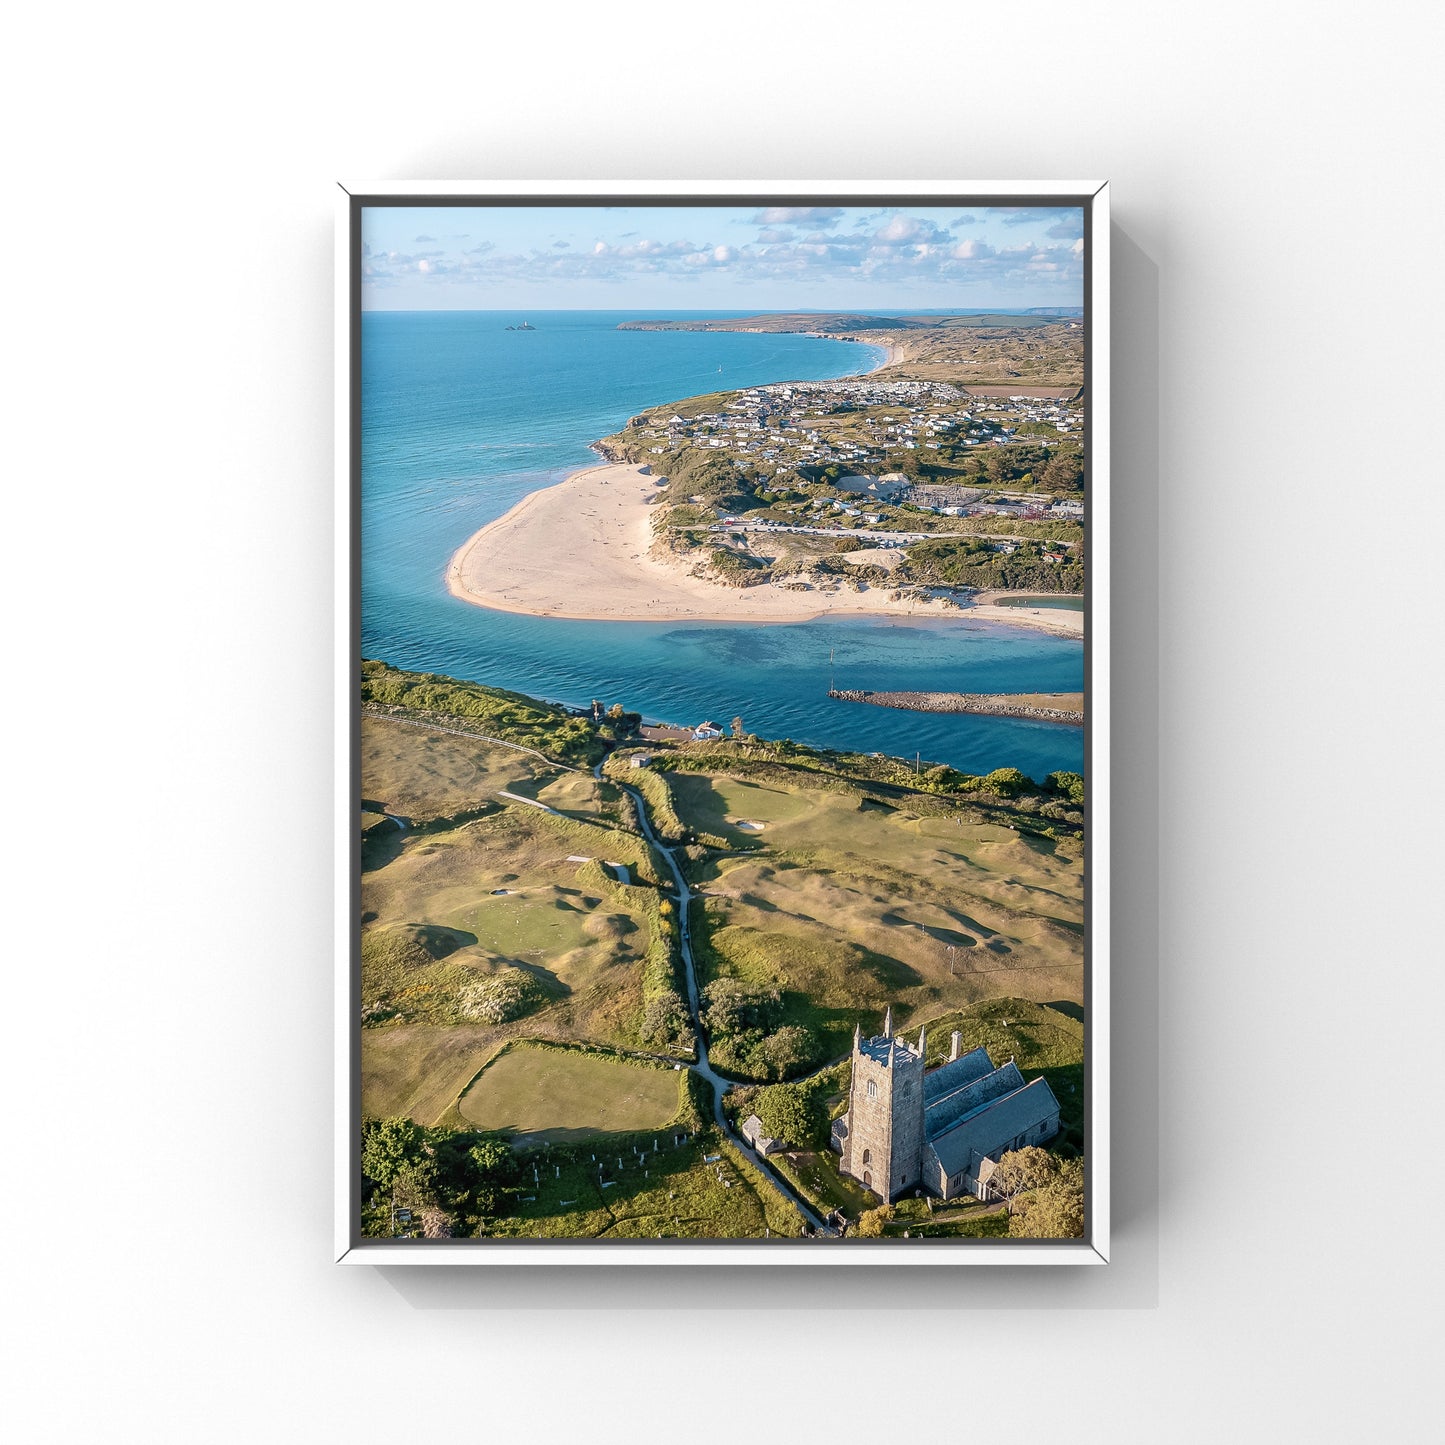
x: 943, y: 1112
x: 955, y: 1073
x: 993, y: 1125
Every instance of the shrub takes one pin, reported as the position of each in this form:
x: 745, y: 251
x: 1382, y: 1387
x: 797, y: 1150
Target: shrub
x: 871, y: 1221
x: 1070, y: 785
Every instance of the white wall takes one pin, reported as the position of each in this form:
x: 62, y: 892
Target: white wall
x: 167, y: 343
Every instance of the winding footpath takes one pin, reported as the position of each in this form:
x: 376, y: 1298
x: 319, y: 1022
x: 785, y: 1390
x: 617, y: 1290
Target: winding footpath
x: 716, y: 1082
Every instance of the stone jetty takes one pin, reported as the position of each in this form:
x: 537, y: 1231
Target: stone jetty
x: 996, y: 704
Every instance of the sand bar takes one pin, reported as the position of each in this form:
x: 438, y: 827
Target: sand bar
x: 582, y: 549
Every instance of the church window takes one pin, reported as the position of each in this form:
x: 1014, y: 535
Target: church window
x: 872, y: 1088
x: 867, y: 1156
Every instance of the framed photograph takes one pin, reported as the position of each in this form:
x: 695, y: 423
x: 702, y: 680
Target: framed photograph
x: 723, y: 735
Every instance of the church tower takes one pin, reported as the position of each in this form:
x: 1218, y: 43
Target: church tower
x: 883, y: 1146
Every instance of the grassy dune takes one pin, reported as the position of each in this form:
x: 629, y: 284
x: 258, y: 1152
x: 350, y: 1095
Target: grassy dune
x: 848, y: 906
x: 490, y: 927
x: 579, y: 954
x: 422, y: 773
x: 485, y: 939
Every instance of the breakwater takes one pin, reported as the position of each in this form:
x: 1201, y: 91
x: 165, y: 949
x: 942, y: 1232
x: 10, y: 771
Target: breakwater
x: 997, y: 704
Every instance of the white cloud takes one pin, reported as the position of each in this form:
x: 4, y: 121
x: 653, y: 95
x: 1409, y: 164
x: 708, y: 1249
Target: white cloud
x: 797, y: 215
x: 895, y: 248
x: 905, y: 230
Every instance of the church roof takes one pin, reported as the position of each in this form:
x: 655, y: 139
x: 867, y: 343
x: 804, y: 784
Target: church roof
x: 944, y: 1112
x: 956, y: 1072
x: 878, y: 1049
x: 993, y: 1126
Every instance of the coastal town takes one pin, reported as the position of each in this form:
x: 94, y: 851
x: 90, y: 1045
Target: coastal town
x: 896, y: 483
x: 933, y: 491
x: 893, y: 492
x: 857, y: 423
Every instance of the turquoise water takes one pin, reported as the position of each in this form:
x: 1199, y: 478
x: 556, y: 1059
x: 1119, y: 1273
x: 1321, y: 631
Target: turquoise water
x: 462, y: 418
x: 1062, y: 604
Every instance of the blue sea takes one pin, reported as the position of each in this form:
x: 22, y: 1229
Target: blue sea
x: 461, y: 418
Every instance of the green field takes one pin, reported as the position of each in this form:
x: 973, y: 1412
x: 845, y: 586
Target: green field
x: 501, y: 894
x: 724, y: 805
x: 417, y: 1070
x: 560, y: 1095
x: 846, y: 906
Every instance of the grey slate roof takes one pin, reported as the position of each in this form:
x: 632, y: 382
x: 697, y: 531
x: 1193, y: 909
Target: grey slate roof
x: 752, y: 1131
x: 952, y: 1075
x: 945, y: 1111
x: 994, y: 1125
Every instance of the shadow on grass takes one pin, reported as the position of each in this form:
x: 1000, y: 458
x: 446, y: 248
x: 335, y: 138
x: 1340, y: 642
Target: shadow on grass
x: 607, y: 1145
x: 939, y: 935
x: 379, y: 847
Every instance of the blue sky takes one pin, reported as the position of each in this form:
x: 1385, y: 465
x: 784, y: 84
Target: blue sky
x: 718, y: 258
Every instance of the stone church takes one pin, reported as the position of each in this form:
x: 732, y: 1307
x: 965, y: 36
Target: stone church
x: 939, y: 1129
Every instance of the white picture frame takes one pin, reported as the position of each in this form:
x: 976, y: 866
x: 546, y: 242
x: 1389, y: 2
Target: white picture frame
x: 1093, y: 1249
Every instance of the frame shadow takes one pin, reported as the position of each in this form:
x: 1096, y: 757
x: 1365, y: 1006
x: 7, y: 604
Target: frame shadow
x: 1131, y: 1279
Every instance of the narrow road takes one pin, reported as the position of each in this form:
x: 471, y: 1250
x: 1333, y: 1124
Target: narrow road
x: 716, y: 1082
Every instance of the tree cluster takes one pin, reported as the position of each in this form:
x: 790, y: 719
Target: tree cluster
x: 1067, y: 785
x: 791, y: 1113
x: 964, y: 560
x: 508, y: 715
x: 442, y: 1176
x: 1045, y: 1194
x: 872, y: 1221
x: 748, y: 1035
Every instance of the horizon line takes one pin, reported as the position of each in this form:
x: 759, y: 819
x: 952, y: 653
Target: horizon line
x: 765, y: 311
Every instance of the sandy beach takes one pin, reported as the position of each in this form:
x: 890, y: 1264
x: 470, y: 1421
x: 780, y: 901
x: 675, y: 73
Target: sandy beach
x: 1046, y: 619
x: 581, y: 549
